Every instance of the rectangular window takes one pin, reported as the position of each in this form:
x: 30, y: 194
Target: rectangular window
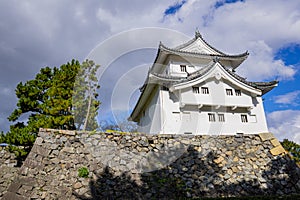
x: 252, y: 119
x: 204, y: 90
x: 164, y: 88
x: 244, y: 118
x: 229, y: 92
x: 221, y: 117
x: 211, y: 117
x: 183, y: 68
x: 238, y: 93
x: 196, y: 90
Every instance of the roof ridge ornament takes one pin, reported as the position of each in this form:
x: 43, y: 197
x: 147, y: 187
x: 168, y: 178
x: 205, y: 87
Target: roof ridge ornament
x: 197, y: 34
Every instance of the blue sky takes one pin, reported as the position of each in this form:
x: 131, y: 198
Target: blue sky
x: 36, y: 34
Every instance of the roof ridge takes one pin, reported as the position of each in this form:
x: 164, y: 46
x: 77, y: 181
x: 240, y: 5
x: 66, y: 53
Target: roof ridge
x: 199, y: 36
x: 162, y: 46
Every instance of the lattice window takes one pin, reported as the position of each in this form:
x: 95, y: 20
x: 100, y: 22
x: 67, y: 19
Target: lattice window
x: 196, y: 90
x: 221, y: 117
x: 244, y: 118
x: 238, y: 93
x: 229, y: 92
x: 183, y: 68
x: 164, y: 88
x: 204, y: 90
x: 211, y: 117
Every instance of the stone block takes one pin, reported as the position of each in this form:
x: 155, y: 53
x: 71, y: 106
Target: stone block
x: 12, y: 196
x: 39, y: 141
x: 67, y: 132
x: 219, y: 160
x: 266, y: 136
x: 14, y: 187
x: 275, y: 142
x: 277, y: 150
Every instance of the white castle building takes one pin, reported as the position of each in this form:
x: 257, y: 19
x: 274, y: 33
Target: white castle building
x: 193, y: 89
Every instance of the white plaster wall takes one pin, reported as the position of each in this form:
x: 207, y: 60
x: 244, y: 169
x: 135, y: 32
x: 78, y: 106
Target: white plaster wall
x: 174, y: 69
x: 171, y: 116
x: 178, y: 120
x: 196, y: 122
x: 217, y: 95
x: 151, y: 121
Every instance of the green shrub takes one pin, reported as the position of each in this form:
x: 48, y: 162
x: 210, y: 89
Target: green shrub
x: 83, y: 172
x: 293, y: 148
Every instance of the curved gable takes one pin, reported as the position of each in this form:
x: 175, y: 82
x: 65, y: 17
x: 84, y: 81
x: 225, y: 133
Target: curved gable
x: 217, y: 72
x: 199, y: 46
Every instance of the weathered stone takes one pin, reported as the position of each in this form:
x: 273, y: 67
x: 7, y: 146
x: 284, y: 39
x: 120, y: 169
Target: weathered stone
x: 266, y: 136
x: 275, y: 142
x: 219, y: 160
x: 42, y: 151
x: 14, y: 187
x: 206, y: 167
x: 298, y: 185
x: 68, y: 149
x: 67, y: 132
x: 235, y: 159
x: 77, y: 185
x: 39, y: 141
x: 234, y: 169
x: 277, y: 150
x: 226, y: 176
x: 12, y: 196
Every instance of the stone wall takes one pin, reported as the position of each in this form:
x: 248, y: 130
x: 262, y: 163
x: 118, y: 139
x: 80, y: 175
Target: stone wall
x: 123, y: 166
x: 8, y: 169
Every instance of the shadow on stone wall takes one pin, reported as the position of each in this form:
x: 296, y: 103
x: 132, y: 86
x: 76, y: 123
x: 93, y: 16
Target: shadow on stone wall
x: 201, y: 176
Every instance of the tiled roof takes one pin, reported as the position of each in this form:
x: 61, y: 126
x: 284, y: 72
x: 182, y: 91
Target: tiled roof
x: 196, y: 54
x: 198, y: 35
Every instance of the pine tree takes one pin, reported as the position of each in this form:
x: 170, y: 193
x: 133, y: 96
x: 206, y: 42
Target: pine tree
x: 85, y: 96
x: 47, y: 100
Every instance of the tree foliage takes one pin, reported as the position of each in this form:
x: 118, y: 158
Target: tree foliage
x: 85, y: 102
x: 47, y: 101
x: 293, y: 148
x: 47, y: 98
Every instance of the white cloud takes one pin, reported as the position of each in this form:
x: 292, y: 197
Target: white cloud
x: 288, y: 98
x: 262, y: 28
x: 285, y: 124
x: 122, y: 15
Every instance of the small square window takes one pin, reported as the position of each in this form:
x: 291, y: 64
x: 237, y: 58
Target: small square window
x: 221, y: 117
x: 238, y: 93
x: 196, y: 90
x: 204, y: 90
x: 229, y: 92
x: 211, y: 117
x: 164, y: 88
x: 183, y: 68
x: 244, y: 118
x: 252, y: 119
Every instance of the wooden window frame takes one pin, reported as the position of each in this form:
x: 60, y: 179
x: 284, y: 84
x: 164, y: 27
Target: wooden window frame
x: 211, y: 117
x: 204, y: 90
x: 221, y: 117
x: 238, y: 92
x: 196, y: 90
x: 244, y: 118
x: 183, y: 68
x: 229, y: 92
